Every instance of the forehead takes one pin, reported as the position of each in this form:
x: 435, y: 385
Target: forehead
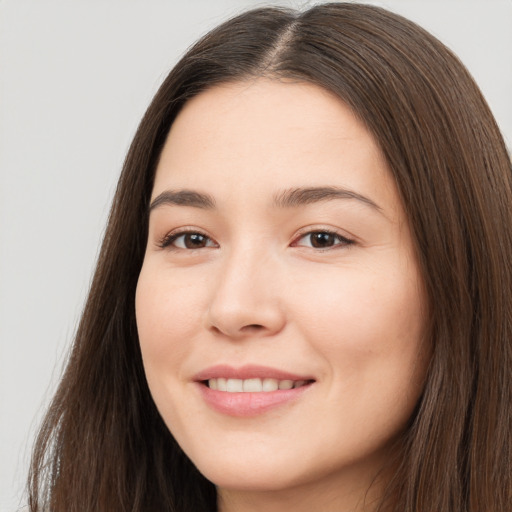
x: 269, y: 113
x: 266, y: 134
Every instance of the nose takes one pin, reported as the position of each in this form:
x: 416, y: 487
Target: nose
x: 246, y: 300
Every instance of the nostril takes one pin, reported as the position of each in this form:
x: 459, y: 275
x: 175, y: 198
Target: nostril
x: 252, y: 327
x: 246, y: 329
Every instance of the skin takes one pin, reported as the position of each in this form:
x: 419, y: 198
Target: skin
x: 350, y: 314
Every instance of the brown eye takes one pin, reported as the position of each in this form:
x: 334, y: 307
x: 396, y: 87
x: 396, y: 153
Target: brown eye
x: 323, y: 240
x: 188, y: 240
x: 194, y: 240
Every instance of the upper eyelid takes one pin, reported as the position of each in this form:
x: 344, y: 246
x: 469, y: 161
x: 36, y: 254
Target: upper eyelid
x: 344, y: 240
x: 168, y: 238
x: 323, y: 229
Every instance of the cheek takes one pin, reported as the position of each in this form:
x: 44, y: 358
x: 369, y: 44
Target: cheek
x: 167, y: 314
x: 369, y: 324
x: 370, y: 330
x: 167, y: 324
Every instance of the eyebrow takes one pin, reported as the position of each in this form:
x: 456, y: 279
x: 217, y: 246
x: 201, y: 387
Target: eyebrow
x: 183, y: 198
x: 294, y: 197
x: 290, y: 198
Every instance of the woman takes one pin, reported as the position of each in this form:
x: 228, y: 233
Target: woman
x: 303, y: 297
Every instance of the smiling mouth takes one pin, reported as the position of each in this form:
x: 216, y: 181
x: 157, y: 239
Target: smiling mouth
x: 255, y: 385
x: 250, y: 390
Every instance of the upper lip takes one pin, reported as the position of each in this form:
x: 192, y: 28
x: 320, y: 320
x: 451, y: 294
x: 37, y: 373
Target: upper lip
x: 247, y: 372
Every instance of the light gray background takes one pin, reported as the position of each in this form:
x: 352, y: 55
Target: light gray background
x: 75, y: 78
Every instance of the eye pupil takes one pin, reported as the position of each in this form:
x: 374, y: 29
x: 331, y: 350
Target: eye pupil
x: 322, y: 239
x: 194, y: 240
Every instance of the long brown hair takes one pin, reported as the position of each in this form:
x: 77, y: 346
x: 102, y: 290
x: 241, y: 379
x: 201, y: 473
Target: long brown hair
x: 103, y: 446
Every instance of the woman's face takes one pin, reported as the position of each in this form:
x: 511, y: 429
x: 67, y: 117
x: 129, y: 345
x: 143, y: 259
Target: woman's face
x: 279, y: 257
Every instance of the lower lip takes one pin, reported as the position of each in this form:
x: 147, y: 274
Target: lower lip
x: 249, y: 404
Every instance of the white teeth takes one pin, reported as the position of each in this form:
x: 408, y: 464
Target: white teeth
x: 286, y: 384
x: 221, y: 384
x: 253, y: 385
x: 270, y: 385
x: 235, y: 386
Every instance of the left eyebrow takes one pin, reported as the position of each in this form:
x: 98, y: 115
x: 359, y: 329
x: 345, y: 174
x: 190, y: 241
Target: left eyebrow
x: 295, y: 197
x: 183, y: 198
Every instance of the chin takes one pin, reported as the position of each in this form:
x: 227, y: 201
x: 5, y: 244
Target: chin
x: 252, y: 471
x: 265, y: 479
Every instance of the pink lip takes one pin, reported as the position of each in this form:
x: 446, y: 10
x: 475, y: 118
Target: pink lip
x: 247, y: 372
x: 248, y: 404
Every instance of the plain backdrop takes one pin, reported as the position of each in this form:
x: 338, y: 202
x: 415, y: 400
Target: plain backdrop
x: 75, y: 78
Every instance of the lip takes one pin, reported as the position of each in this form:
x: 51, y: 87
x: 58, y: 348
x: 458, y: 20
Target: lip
x: 247, y: 372
x: 249, y: 404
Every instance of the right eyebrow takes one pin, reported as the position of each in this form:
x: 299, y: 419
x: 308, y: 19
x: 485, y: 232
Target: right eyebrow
x: 183, y: 198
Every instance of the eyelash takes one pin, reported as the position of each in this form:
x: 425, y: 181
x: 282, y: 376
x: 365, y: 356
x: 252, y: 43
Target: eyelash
x: 167, y: 241
x: 342, y: 241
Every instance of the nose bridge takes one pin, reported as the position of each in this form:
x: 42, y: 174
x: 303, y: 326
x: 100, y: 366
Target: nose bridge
x: 245, y: 298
